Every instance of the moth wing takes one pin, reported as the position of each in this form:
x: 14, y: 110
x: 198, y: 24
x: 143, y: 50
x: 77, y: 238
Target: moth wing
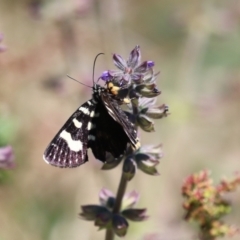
x: 69, y: 147
x: 106, y: 135
x: 120, y: 116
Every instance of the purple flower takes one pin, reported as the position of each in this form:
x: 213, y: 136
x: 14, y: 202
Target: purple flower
x: 105, y: 76
x: 147, y: 158
x: 6, y: 157
x: 105, y: 219
x: 130, y: 70
x: 130, y: 199
x: 147, y: 110
x: 106, y: 198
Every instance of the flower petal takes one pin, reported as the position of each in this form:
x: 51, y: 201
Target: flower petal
x: 147, y: 168
x: 130, y: 199
x: 136, y: 215
x: 137, y: 77
x: 106, y: 76
x: 104, y: 196
x: 150, y: 64
x: 134, y: 57
x: 155, y: 151
x: 119, y: 62
x: 143, y: 68
x: 147, y: 102
x: 141, y: 157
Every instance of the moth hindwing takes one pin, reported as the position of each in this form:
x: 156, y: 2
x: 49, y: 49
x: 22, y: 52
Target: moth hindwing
x: 99, y: 124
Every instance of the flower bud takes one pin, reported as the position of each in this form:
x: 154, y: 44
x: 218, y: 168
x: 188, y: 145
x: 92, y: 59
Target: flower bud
x: 147, y: 90
x: 103, y: 219
x: 111, y: 162
x: 148, y: 166
x: 145, y: 123
x: 106, y: 198
x: 157, y: 112
x: 129, y: 168
x: 119, y: 225
x: 135, y: 215
x: 90, y: 212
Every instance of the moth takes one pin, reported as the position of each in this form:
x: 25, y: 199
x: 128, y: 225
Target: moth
x: 99, y: 124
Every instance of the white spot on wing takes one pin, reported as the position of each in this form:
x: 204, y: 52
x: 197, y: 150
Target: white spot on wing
x: 89, y: 125
x: 77, y: 123
x: 45, y: 159
x: 92, y: 114
x: 110, y: 110
x: 74, y: 145
x: 84, y: 110
x: 91, y: 137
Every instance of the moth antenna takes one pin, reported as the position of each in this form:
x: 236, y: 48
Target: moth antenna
x: 94, y: 63
x: 79, y: 82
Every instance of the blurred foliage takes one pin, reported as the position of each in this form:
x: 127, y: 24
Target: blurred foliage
x: 7, y: 130
x: 195, y: 45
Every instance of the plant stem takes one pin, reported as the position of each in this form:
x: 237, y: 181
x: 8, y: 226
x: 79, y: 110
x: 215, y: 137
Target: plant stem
x: 117, y: 207
x: 120, y: 193
x: 109, y: 234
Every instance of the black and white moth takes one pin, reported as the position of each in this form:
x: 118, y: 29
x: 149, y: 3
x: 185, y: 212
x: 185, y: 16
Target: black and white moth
x: 99, y: 124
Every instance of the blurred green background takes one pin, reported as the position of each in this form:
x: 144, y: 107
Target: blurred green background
x: 195, y: 45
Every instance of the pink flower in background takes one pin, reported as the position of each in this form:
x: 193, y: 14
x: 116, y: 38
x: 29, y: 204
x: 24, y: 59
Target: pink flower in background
x: 6, y: 157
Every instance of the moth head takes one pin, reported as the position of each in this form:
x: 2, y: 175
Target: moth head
x: 120, y: 93
x: 112, y: 89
